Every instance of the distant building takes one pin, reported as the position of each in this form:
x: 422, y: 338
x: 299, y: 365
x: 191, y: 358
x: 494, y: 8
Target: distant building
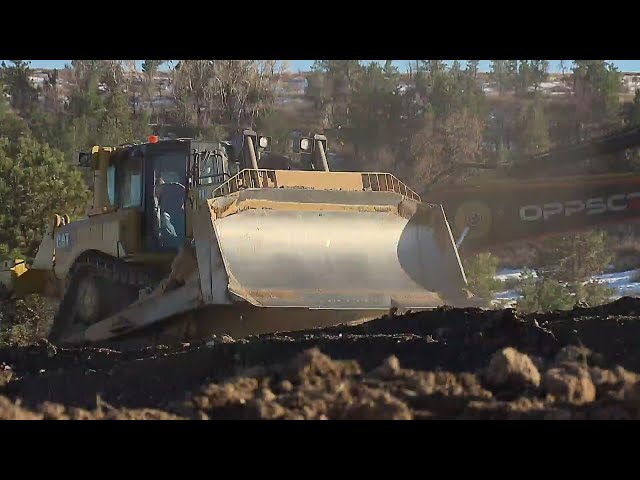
x: 289, y: 88
x: 553, y: 88
x: 38, y: 78
x: 299, y: 85
x: 403, y: 87
x: 631, y: 81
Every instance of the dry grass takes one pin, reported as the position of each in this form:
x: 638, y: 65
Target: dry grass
x: 626, y: 254
x: 525, y: 254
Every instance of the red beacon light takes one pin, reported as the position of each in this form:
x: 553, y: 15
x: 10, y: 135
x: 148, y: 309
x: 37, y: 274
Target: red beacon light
x: 153, y: 139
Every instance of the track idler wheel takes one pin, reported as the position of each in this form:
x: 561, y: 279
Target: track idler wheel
x: 89, y: 299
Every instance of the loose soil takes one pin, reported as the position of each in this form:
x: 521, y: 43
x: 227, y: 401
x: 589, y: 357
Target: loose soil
x: 444, y: 364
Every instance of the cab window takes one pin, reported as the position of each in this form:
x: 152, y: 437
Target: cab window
x: 128, y: 175
x: 111, y: 184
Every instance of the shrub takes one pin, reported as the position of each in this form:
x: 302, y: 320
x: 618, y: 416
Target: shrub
x: 548, y: 294
x: 570, y: 262
x: 481, y: 271
x: 577, y: 257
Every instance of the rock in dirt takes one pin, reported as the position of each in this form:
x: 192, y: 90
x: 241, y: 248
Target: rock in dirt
x: 570, y: 382
x: 54, y: 411
x: 375, y: 405
x: 389, y: 368
x: 573, y: 353
x: 613, y: 380
x: 314, y: 366
x: 510, y: 368
x: 519, y: 408
x: 14, y: 411
x: 6, y: 374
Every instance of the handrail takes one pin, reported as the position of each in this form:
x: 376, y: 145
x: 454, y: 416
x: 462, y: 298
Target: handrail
x: 389, y: 183
x: 247, y: 178
x: 266, y: 178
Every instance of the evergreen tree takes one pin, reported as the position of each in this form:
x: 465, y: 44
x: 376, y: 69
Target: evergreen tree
x: 597, y: 90
x: 16, y: 78
x: 35, y: 183
x: 634, y: 118
x: 534, y: 129
x: 472, y: 68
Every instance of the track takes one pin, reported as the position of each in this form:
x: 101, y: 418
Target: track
x: 120, y: 281
x: 449, y: 363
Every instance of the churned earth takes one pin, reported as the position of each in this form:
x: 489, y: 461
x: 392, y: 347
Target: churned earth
x: 444, y: 364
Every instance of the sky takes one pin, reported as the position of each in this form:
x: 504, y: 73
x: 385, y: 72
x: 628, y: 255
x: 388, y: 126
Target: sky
x: 303, y: 65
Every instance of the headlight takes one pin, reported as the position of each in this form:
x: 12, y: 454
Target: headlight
x: 264, y: 142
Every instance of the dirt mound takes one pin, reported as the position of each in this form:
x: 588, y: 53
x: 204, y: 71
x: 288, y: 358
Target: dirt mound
x: 314, y: 386
x: 448, y: 363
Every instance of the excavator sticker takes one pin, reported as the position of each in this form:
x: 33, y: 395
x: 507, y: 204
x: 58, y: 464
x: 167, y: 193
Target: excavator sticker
x: 593, y: 206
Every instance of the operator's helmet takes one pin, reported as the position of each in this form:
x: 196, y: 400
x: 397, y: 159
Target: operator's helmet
x: 170, y: 177
x: 172, y: 197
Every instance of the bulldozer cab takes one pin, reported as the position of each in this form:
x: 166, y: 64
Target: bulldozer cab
x: 151, y: 179
x: 154, y: 179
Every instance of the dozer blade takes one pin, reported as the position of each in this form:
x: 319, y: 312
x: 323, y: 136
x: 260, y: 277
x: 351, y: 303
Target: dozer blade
x: 337, y: 250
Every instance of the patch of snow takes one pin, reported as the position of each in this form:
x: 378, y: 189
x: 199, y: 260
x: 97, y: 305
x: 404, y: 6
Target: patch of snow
x: 511, y: 273
x: 507, y: 295
x: 622, y: 283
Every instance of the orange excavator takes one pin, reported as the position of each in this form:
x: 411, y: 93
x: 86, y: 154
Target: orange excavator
x: 529, y: 201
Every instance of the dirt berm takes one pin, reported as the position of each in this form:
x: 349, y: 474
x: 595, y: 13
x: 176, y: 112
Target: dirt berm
x: 449, y: 363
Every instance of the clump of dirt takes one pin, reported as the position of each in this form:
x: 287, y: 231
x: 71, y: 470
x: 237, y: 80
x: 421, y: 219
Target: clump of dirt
x: 14, y: 411
x: 510, y: 368
x: 570, y: 382
x: 312, y: 386
x: 52, y: 411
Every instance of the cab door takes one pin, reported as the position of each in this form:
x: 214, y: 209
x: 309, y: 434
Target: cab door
x: 166, y: 184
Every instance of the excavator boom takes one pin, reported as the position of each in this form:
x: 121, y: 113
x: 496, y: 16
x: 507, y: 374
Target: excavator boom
x: 500, y: 212
x: 528, y: 202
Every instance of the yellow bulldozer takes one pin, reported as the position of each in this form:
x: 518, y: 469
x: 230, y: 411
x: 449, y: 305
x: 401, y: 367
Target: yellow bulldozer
x: 189, y: 238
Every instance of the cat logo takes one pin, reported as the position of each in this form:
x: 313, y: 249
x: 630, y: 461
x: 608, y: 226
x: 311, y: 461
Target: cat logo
x: 63, y: 240
x: 592, y: 206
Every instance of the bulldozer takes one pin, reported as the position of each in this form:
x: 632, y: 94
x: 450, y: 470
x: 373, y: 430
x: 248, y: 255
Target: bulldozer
x: 187, y: 238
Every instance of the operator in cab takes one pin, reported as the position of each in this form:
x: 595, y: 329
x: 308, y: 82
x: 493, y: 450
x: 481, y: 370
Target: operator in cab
x: 170, y: 197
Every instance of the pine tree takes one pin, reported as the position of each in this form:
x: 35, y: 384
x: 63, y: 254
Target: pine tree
x: 472, y: 68
x: 35, y: 183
